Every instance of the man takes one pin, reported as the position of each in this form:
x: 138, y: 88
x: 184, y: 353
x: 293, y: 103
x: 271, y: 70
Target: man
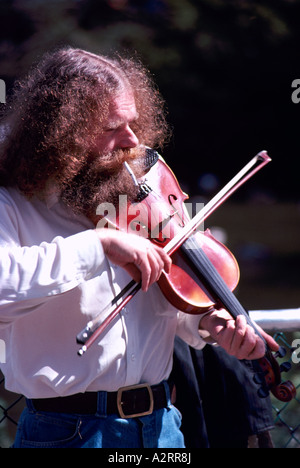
x: 71, y: 125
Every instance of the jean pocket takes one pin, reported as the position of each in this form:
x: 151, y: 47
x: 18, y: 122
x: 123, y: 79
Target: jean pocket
x: 49, y: 430
x: 177, y: 414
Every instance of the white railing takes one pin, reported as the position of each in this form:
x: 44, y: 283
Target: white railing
x: 280, y: 319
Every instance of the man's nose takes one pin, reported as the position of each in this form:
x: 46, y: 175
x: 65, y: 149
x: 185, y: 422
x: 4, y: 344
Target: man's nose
x: 129, y: 138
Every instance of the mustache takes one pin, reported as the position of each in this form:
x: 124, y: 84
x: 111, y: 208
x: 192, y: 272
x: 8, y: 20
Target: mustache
x: 111, y: 163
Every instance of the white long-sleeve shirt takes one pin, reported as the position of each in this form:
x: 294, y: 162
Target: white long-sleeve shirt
x: 54, y: 278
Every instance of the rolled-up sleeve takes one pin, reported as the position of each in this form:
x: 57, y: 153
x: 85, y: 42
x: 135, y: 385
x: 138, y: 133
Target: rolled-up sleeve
x: 188, y: 330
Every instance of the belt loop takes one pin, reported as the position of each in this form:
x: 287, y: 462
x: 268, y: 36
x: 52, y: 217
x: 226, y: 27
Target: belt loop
x: 167, y: 390
x: 30, y: 405
x: 101, y: 404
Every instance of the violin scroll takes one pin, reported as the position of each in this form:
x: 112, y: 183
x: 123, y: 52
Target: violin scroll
x: 286, y: 391
x: 271, y: 377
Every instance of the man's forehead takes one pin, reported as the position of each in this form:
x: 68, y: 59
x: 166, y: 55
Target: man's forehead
x: 122, y: 105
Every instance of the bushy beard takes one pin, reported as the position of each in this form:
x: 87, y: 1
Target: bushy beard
x: 102, y: 180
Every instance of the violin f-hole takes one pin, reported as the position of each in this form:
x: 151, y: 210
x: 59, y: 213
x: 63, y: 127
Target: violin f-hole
x: 172, y: 197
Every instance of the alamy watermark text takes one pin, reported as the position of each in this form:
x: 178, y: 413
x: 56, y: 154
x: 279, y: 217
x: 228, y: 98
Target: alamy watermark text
x: 296, y: 93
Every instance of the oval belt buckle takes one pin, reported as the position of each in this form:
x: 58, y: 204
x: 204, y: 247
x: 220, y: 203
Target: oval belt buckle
x: 134, y: 387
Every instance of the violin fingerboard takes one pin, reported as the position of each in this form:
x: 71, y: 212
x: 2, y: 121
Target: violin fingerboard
x: 213, y: 281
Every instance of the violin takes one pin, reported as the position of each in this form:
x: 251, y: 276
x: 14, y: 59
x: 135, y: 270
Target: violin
x: 204, y: 273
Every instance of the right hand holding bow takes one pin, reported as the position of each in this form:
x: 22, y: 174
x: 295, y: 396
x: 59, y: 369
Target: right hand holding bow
x: 143, y: 260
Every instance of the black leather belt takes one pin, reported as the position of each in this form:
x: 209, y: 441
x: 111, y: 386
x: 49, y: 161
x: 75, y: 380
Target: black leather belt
x: 128, y: 402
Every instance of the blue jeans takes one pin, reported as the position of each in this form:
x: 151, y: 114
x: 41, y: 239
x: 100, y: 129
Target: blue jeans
x: 39, y: 429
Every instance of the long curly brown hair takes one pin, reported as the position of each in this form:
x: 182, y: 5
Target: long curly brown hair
x: 55, y: 116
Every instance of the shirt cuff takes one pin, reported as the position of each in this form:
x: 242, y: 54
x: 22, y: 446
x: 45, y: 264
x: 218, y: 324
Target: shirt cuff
x: 188, y: 330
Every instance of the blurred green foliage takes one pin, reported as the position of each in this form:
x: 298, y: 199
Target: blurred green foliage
x: 224, y: 67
